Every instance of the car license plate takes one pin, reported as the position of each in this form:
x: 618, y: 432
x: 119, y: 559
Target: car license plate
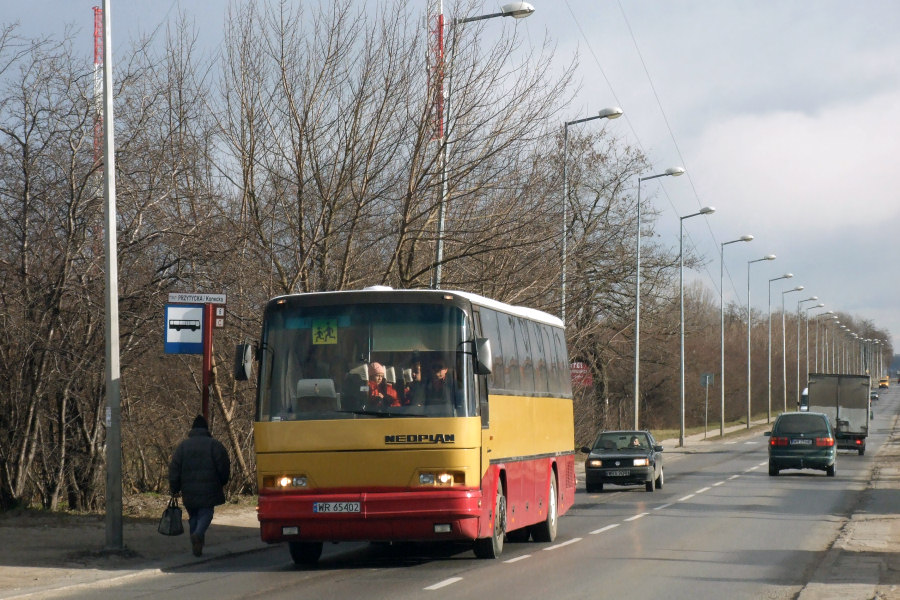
x: 803, y: 442
x: 336, y: 507
x: 621, y: 473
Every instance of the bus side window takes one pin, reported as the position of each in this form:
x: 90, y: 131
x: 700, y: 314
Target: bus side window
x: 539, y: 356
x: 511, y: 362
x: 491, y: 330
x: 523, y: 349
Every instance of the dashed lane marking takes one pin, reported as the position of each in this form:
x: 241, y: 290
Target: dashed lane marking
x: 517, y: 559
x: 602, y: 529
x: 566, y: 543
x: 444, y: 583
x: 636, y: 517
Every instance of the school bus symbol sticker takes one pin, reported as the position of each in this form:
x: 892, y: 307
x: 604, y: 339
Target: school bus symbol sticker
x: 325, y: 331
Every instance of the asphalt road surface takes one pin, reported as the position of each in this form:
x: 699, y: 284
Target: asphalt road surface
x: 721, y: 527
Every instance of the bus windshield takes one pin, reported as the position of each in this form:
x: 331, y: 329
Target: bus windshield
x: 365, y: 360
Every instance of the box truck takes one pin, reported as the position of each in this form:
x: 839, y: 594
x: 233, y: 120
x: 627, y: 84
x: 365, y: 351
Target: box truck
x: 845, y: 399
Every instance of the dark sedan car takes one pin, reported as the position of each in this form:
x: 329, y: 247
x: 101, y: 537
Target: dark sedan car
x: 623, y: 458
x: 802, y: 441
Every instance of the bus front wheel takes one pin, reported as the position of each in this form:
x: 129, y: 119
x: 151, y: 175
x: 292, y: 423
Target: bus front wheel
x: 305, y: 553
x: 492, y: 547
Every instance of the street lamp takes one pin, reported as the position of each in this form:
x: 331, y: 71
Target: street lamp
x: 806, y: 346
x: 743, y: 238
x: 810, y: 299
x: 769, y: 409
x: 706, y: 210
x: 818, y: 317
x: 606, y: 113
x: 750, y: 262
x: 516, y: 10
x: 784, y: 346
x: 670, y: 172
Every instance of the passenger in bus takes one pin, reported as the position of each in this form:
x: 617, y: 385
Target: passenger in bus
x: 440, y: 389
x: 381, y: 392
x: 414, y: 390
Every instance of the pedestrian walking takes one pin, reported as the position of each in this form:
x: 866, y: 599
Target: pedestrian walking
x: 200, y: 468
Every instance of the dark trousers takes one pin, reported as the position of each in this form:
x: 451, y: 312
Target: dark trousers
x: 199, y: 520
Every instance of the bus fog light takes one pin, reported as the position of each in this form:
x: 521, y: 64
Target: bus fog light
x: 426, y: 478
x: 442, y: 528
x: 290, y: 531
x: 299, y: 482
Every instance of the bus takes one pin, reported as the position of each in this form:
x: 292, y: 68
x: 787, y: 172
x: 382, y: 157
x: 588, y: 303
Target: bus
x: 488, y: 458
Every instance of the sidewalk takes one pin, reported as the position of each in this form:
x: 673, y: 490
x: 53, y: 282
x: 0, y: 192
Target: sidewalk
x: 44, y: 556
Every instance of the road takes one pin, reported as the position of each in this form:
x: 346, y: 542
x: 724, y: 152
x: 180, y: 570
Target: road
x: 721, y: 527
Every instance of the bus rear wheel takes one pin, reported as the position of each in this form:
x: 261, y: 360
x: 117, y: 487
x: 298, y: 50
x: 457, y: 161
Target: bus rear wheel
x: 305, y: 553
x: 546, y: 531
x: 492, y: 547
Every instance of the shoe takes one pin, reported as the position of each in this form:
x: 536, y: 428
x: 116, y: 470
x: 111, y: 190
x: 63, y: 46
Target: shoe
x: 196, y: 544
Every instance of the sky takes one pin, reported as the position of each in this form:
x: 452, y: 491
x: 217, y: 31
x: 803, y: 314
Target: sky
x: 784, y: 113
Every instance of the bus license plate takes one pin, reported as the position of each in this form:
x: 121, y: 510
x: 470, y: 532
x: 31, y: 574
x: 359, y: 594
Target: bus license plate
x: 624, y: 473
x: 336, y: 507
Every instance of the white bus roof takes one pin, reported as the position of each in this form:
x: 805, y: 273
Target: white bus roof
x: 521, y: 311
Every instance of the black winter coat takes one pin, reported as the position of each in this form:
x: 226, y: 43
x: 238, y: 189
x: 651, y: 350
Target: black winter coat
x: 200, y: 468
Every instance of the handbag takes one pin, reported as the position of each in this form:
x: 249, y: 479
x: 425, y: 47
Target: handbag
x: 170, y: 523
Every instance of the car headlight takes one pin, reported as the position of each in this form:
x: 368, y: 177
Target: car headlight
x: 642, y: 462
x: 595, y: 462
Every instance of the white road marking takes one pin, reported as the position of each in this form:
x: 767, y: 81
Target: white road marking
x: 572, y: 541
x: 752, y: 469
x: 701, y: 490
x: 730, y: 443
x: 663, y: 506
x: 636, y: 517
x: 602, y: 529
x: 751, y: 443
x: 444, y: 583
x: 688, y: 497
x: 717, y: 484
x: 735, y: 476
x: 763, y: 464
x: 517, y: 559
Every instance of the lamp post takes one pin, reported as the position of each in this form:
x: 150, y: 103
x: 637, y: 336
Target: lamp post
x: 769, y: 409
x: 706, y: 210
x: 743, y: 238
x: 818, y: 317
x: 784, y: 346
x: 670, y: 172
x: 810, y: 299
x: 842, y: 357
x: 606, y: 113
x: 516, y: 10
x: 750, y: 262
x: 806, y: 346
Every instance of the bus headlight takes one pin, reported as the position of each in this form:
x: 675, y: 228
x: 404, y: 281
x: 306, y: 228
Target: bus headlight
x: 441, y: 478
x: 290, y: 481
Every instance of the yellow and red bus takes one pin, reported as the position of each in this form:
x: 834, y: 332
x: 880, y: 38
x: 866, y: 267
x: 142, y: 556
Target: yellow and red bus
x: 486, y: 454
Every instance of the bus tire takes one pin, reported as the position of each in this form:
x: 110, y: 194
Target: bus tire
x: 492, y: 547
x: 305, y: 554
x: 546, y: 531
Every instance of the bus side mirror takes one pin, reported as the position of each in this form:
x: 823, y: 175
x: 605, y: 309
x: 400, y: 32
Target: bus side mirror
x: 484, y: 362
x: 243, y: 362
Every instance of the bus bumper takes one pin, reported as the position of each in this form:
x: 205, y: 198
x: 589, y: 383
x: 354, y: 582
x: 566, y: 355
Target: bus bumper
x: 381, y: 516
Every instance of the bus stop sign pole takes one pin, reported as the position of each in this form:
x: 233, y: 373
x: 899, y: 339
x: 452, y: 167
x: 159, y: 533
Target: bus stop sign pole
x: 207, y: 358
